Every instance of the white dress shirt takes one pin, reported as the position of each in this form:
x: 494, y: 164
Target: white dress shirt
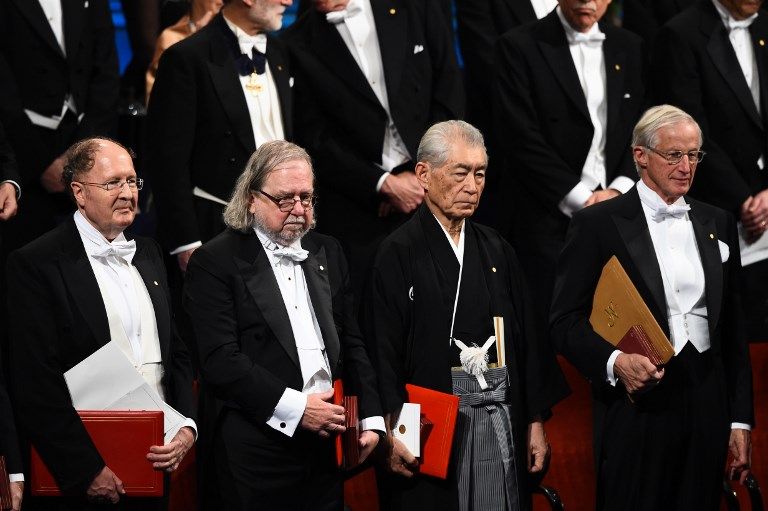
x: 682, y: 274
x: 543, y: 7
x: 357, y: 28
x: 313, y: 360
x: 589, y: 61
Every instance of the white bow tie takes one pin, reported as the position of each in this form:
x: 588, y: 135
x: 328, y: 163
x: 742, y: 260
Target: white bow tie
x: 732, y: 24
x: 246, y: 42
x: 336, y: 17
x: 591, y: 39
x: 295, y: 254
x: 661, y: 213
x: 122, y: 249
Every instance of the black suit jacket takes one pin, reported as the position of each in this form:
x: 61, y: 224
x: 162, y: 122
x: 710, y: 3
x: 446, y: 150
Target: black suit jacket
x: 9, y: 169
x: 200, y: 131
x: 543, y: 121
x: 480, y: 24
x: 36, y: 75
x: 59, y: 319
x: 342, y: 122
x: 9, y: 446
x: 245, y: 343
x: 645, y: 17
x: 695, y: 68
x: 618, y: 227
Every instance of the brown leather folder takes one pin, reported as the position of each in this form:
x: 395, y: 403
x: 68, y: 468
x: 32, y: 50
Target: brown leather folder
x: 617, y: 308
x: 5, y: 487
x: 123, y: 439
x: 439, y: 411
x: 347, y: 443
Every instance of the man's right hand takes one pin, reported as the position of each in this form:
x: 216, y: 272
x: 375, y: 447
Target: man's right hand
x: 105, y: 487
x: 636, y: 372
x: 183, y: 258
x: 321, y: 416
x: 51, y: 177
x: 17, y: 495
x: 403, y: 191
x: 399, y: 458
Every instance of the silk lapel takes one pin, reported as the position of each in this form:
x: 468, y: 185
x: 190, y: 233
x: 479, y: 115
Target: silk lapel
x: 705, y: 230
x: 74, y: 13
x: 615, y: 58
x: 278, y: 66
x: 392, y: 30
x: 725, y: 60
x: 759, y: 35
x: 152, y: 278
x: 329, y: 48
x: 633, y: 229
x: 226, y: 83
x: 78, y: 276
x: 261, y: 283
x: 557, y: 54
x: 316, y: 275
x: 34, y: 13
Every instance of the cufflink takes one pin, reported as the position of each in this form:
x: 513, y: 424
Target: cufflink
x: 282, y: 424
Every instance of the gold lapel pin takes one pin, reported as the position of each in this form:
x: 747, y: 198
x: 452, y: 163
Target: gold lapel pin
x: 393, y: 11
x: 321, y: 267
x: 493, y: 269
x: 761, y: 42
x: 711, y: 236
x: 155, y: 282
x: 279, y: 67
x: 617, y: 67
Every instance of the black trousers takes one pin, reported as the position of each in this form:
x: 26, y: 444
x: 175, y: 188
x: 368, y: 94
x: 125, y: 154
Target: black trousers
x: 259, y: 468
x: 667, y: 449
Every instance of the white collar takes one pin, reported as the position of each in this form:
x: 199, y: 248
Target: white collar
x: 93, y: 240
x: 652, y: 199
x: 271, y: 245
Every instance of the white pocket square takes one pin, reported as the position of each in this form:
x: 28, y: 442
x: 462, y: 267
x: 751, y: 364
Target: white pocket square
x: 290, y: 81
x: 626, y: 95
x: 725, y: 252
x: 418, y: 49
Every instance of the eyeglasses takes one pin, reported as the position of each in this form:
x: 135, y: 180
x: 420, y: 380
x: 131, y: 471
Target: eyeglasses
x: 674, y: 157
x: 116, y: 184
x: 286, y: 204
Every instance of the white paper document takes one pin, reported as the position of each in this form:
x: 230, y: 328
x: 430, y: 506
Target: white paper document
x: 408, y: 428
x: 107, y: 380
x: 757, y: 251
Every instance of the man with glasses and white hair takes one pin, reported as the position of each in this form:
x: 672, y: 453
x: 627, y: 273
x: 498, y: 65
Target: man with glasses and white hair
x: 661, y: 433
x: 272, y: 312
x: 72, y: 291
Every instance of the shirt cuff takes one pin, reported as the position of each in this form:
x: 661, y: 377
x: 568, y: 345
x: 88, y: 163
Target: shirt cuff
x: 575, y: 199
x: 16, y: 478
x: 741, y: 425
x: 610, y: 377
x: 380, y: 182
x: 288, y: 412
x: 189, y: 423
x: 15, y: 185
x: 622, y: 184
x: 375, y: 423
x: 188, y: 246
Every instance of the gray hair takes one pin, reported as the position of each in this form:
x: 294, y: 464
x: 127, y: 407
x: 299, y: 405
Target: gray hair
x: 654, y: 120
x: 261, y: 163
x: 436, y: 142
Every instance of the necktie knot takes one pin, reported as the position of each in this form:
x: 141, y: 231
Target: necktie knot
x: 732, y: 24
x: 295, y: 254
x: 121, y: 249
x: 336, y: 17
x: 663, y: 212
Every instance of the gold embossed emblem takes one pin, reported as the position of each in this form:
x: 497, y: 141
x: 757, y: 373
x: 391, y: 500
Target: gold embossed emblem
x: 610, y: 311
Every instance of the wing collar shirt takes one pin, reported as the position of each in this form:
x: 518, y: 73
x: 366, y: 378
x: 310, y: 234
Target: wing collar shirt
x: 357, y: 28
x: 588, y: 59
x: 543, y: 7
x: 315, y: 369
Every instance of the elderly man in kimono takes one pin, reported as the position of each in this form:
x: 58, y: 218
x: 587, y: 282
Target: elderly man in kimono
x: 436, y: 286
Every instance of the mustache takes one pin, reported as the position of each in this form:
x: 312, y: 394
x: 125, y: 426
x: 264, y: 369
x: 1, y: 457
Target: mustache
x: 293, y: 219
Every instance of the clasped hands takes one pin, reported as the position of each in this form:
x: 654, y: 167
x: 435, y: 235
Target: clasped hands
x: 106, y: 487
x: 326, y: 419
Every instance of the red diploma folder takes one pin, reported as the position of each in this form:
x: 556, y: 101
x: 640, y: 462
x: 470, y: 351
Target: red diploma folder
x: 5, y: 487
x: 347, y: 443
x: 439, y: 411
x: 636, y: 340
x: 123, y: 439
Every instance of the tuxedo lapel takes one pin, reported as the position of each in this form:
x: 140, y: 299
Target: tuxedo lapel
x: 73, y: 18
x: 392, y: 30
x: 80, y: 281
x: 329, y: 48
x: 633, y: 229
x: 759, y: 34
x: 226, y: 82
x: 522, y: 10
x: 34, y: 14
x: 705, y: 231
x: 724, y: 59
x: 253, y: 264
x: 615, y: 58
x: 152, y: 281
x: 554, y: 47
x: 316, y: 274
x: 278, y: 66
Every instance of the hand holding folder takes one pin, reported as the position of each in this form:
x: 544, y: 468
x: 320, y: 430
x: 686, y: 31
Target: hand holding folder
x: 347, y: 443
